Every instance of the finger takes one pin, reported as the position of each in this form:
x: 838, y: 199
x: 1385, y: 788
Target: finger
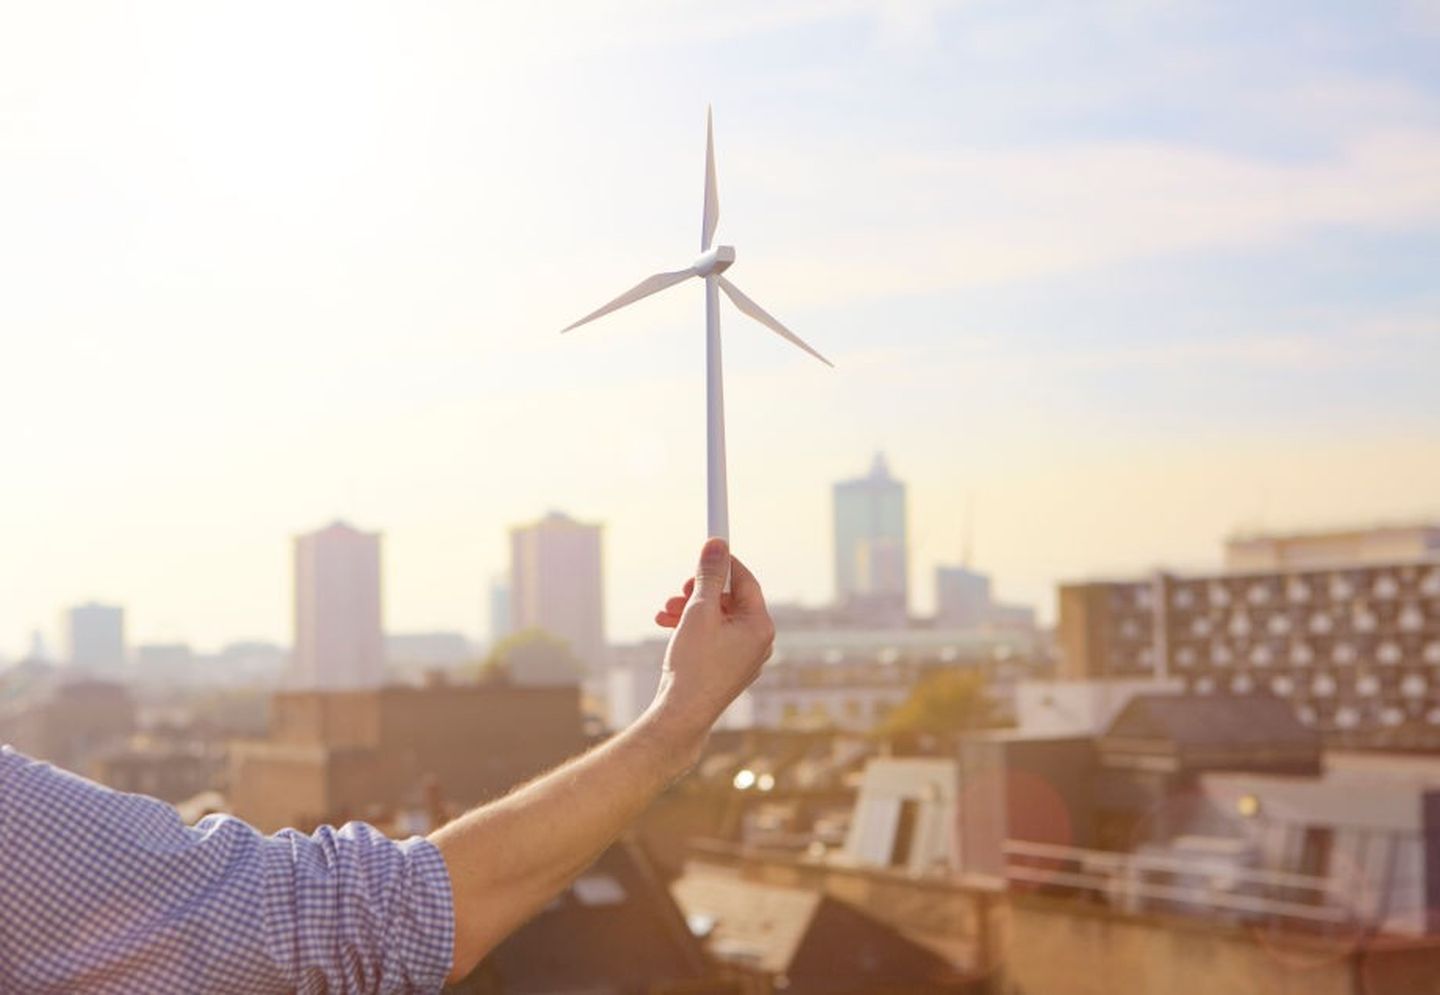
x: 666, y: 620
x: 675, y: 605
x: 712, y: 571
x: 745, y: 593
x: 689, y: 587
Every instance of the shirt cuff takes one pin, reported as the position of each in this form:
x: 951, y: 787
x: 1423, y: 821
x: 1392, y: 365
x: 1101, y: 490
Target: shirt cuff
x: 425, y: 933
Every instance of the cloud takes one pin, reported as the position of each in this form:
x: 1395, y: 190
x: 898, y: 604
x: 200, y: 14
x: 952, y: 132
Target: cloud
x: 984, y: 216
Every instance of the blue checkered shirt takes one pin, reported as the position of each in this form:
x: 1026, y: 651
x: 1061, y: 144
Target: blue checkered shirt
x: 107, y: 892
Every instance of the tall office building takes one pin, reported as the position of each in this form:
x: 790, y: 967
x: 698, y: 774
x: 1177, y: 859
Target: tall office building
x: 95, y: 638
x: 499, y: 609
x: 871, y: 562
x: 556, y: 584
x: 338, y: 633
x: 962, y: 597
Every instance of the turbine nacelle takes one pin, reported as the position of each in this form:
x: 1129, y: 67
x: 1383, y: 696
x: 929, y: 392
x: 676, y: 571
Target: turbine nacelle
x: 714, y: 262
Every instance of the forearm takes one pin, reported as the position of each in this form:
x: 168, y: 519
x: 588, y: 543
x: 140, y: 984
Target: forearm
x: 508, y: 858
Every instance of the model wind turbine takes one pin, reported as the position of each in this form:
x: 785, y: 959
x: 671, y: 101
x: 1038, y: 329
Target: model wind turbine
x: 711, y: 263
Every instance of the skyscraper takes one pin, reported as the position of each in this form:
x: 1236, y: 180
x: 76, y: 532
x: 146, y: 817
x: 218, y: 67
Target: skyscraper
x: 338, y: 633
x: 95, y: 638
x: 871, y: 563
x: 499, y: 609
x: 962, y: 597
x: 556, y: 583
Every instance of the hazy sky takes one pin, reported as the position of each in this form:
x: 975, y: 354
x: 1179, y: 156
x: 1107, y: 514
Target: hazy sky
x: 1132, y: 274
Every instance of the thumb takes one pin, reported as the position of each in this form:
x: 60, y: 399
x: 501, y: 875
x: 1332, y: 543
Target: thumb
x: 713, y: 570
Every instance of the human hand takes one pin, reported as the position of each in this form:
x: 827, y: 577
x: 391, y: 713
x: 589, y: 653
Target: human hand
x: 720, y: 643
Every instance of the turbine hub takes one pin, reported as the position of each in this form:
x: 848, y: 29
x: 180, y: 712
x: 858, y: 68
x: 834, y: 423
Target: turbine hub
x: 716, y: 261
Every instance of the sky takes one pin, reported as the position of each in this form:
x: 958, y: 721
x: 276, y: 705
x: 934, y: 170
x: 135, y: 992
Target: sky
x: 1123, y: 276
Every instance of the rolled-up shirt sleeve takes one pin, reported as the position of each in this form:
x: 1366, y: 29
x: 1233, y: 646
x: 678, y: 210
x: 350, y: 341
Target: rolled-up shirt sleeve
x: 102, y: 891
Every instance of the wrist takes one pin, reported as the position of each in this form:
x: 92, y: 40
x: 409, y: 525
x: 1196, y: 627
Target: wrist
x: 678, y: 739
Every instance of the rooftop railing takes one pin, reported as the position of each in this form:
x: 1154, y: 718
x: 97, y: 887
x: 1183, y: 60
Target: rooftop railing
x: 1189, y: 884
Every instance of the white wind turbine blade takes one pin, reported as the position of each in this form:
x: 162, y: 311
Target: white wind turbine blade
x: 651, y: 285
x: 750, y: 308
x: 712, y: 196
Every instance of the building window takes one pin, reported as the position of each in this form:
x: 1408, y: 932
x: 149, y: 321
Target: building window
x: 1315, y: 847
x: 904, y: 841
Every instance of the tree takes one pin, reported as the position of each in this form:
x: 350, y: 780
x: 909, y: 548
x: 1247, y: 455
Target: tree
x: 942, y: 703
x: 531, y: 656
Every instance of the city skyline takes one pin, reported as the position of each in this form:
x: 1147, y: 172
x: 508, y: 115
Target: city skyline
x: 1133, y: 277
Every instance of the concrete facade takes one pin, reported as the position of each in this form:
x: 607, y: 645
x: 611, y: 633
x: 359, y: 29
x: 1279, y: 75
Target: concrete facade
x: 1354, y: 649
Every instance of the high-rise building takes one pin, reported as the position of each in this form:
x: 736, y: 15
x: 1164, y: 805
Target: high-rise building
x: 556, y: 584
x: 499, y: 609
x: 95, y: 638
x: 962, y: 597
x: 338, y: 631
x: 38, y: 651
x: 871, y: 562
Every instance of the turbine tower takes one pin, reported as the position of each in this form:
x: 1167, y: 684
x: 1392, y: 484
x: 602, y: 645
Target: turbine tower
x: 711, y: 263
